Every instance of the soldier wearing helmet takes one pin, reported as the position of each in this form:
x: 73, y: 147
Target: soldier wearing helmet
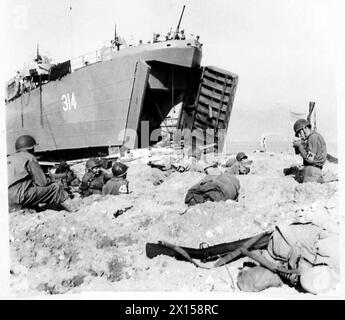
x: 94, y: 179
x: 118, y: 184
x: 238, y: 165
x: 312, y: 148
x: 28, y: 186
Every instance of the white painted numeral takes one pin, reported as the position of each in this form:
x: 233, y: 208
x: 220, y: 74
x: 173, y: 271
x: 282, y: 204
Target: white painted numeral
x: 69, y: 102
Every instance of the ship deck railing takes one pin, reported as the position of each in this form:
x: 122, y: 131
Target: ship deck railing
x: 106, y: 53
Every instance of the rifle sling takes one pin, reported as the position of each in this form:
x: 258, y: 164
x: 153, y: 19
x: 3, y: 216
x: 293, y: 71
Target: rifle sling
x: 183, y: 253
x: 205, y: 254
x: 237, y: 252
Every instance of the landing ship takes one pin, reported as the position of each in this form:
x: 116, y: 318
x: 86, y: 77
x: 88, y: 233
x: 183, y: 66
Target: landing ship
x: 88, y: 105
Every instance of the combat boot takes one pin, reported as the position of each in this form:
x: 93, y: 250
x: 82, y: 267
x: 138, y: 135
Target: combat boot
x: 69, y: 205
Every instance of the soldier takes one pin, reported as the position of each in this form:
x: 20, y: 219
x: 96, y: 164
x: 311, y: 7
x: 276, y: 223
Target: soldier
x: 312, y: 148
x: 94, y: 179
x: 118, y: 184
x: 66, y: 176
x: 28, y: 186
x: 238, y: 166
x: 214, y: 188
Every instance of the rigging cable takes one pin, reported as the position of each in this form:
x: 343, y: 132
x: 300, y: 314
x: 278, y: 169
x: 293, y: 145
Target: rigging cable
x: 25, y: 103
x: 43, y: 111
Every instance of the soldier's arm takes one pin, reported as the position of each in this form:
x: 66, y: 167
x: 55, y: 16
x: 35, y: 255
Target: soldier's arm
x: 37, y: 174
x: 124, y: 189
x: 85, y: 182
x: 312, y: 148
x: 107, y: 177
x: 303, y: 152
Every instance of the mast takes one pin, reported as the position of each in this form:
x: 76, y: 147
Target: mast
x: 116, y: 41
x: 179, y: 22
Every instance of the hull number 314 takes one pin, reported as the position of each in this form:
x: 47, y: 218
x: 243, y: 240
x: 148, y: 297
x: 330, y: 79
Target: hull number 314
x: 69, y: 102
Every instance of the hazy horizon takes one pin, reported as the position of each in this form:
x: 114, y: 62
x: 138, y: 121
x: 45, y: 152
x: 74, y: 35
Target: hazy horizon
x: 285, y: 52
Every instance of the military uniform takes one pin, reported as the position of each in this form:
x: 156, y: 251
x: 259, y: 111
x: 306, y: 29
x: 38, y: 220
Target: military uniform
x: 314, y: 146
x: 238, y: 168
x: 28, y: 185
x: 92, y: 184
x: 115, y: 186
x: 213, y: 188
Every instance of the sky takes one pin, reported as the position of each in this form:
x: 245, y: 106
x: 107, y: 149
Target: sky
x: 284, y: 51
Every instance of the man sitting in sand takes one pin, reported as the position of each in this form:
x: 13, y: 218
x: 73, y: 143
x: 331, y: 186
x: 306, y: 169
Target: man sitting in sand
x: 118, y: 184
x: 28, y: 186
x: 239, y: 165
x: 94, y: 179
x: 312, y: 148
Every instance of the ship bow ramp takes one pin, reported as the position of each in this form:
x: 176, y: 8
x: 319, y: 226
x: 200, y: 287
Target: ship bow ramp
x: 96, y: 106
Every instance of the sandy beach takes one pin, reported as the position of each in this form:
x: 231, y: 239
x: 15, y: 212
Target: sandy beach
x: 91, y: 250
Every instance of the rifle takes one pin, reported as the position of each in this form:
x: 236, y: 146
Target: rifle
x: 237, y: 252
x: 156, y: 165
x: 121, y: 211
x: 311, y: 109
x: 178, y: 25
x: 226, y: 252
x: 213, y: 165
x: 205, y: 254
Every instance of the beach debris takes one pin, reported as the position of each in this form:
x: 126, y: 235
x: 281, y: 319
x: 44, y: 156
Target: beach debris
x: 292, y: 255
x: 119, y: 212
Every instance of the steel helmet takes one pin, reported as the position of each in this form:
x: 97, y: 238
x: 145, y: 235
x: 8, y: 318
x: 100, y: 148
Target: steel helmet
x: 25, y: 142
x: 240, y: 156
x: 318, y: 279
x: 119, y: 169
x: 92, y: 163
x: 299, y: 125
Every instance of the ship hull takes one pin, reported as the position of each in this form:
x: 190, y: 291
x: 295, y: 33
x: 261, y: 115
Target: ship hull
x: 98, y: 105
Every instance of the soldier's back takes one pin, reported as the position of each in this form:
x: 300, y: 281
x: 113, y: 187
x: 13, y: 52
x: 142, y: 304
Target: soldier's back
x: 115, y: 186
x: 16, y: 166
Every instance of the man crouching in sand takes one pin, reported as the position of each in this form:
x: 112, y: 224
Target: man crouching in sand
x: 312, y: 148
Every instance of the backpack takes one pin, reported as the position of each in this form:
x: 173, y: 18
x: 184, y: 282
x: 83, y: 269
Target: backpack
x: 303, y: 245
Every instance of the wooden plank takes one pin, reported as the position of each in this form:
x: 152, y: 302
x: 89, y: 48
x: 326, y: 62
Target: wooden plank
x: 202, y: 111
x: 206, y: 92
x: 221, y: 100
x: 218, y: 87
x: 206, y: 103
x: 219, y: 76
